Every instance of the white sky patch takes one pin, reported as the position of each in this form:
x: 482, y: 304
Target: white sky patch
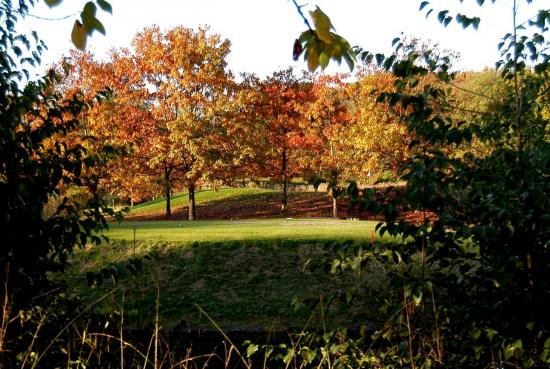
x: 262, y: 32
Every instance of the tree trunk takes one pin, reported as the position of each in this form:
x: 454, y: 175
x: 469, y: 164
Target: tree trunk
x: 192, y: 210
x: 284, y: 202
x: 167, y: 192
x: 335, y: 193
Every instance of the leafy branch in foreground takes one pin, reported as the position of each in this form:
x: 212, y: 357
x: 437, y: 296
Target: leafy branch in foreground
x: 319, y: 44
x: 469, y: 279
x: 473, y: 278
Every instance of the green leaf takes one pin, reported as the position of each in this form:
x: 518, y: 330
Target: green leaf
x: 308, y: 354
x: 79, y: 36
x: 335, y: 266
x: 105, y: 6
x: 98, y: 26
x: 89, y: 9
x: 322, y: 25
x: 442, y: 15
x: 312, y: 58
x: 513, y: 349
x: 251, y: 349
x: 323, y: 60
x: 289, y: 356
x: 490, y: 333
x: 417, y: 299
x: 52, y: 3
x: 350, y: 61
x: 89, y: 21
x: 423, y: 5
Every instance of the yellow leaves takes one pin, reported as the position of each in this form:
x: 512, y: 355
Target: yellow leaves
x: 322, y: 24
x: 52, y: 3
x: 321, y: 45
x: 88, y: 22
x: 78, y: 35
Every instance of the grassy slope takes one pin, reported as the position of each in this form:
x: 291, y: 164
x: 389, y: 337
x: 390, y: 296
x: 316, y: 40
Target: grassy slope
x: 242, y: 285
x: 244, y: 273
x: 157, y: 206
x: 246, y: 203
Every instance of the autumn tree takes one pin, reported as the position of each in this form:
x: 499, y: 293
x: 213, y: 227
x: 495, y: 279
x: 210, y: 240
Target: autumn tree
x: 242, y: 145
x: 279, y: 100
x: 99, y: 131
x: 169, y: 99
x: 475, y: 94
x: 379, y: 138
x: 190, y: 87
x: 328, y: 121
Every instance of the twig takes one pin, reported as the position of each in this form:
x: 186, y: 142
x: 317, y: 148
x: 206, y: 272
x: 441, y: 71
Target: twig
x: 125, y: 343
x: 71, y: 323
x: 247, y: 365
x: 299, y: 8
x: 52, y: 19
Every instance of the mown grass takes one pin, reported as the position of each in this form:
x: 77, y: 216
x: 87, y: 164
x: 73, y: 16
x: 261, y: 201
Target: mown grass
x: 245, y: 274
x: 243, y: 230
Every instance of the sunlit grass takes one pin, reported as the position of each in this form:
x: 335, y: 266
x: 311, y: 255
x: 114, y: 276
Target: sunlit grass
x: 201, y: 197
x: 244, y: 273
x: 240, y: 230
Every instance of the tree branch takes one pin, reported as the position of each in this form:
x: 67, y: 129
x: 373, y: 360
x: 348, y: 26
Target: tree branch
x: 299, y: 8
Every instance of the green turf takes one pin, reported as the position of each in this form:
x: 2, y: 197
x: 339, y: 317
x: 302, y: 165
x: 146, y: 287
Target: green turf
x: 245, y: 274
x: 242, y: 285
x: 238, y: 230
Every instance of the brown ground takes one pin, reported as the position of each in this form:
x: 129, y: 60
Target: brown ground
x: 301, y: 205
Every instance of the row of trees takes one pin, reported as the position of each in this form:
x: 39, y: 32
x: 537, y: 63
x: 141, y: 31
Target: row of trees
x: 180, y: 118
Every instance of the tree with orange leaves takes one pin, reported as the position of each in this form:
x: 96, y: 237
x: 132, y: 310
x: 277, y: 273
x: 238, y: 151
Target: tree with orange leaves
x: 100, y: 132
x: 278, y: 100
x: 330, y: 121
x: 190, y: 87
x: 170, y: 103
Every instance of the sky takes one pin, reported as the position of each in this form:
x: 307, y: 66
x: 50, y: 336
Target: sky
x: 262, y: 32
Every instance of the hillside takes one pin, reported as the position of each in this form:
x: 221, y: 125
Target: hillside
x: 243, y: 203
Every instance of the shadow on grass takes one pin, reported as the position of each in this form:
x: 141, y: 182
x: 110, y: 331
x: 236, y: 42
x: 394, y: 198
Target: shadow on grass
x: 244, y: 286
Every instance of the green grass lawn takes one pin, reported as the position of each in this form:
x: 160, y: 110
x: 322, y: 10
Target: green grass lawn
x: 245, y: 274
x: 242, y: 230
